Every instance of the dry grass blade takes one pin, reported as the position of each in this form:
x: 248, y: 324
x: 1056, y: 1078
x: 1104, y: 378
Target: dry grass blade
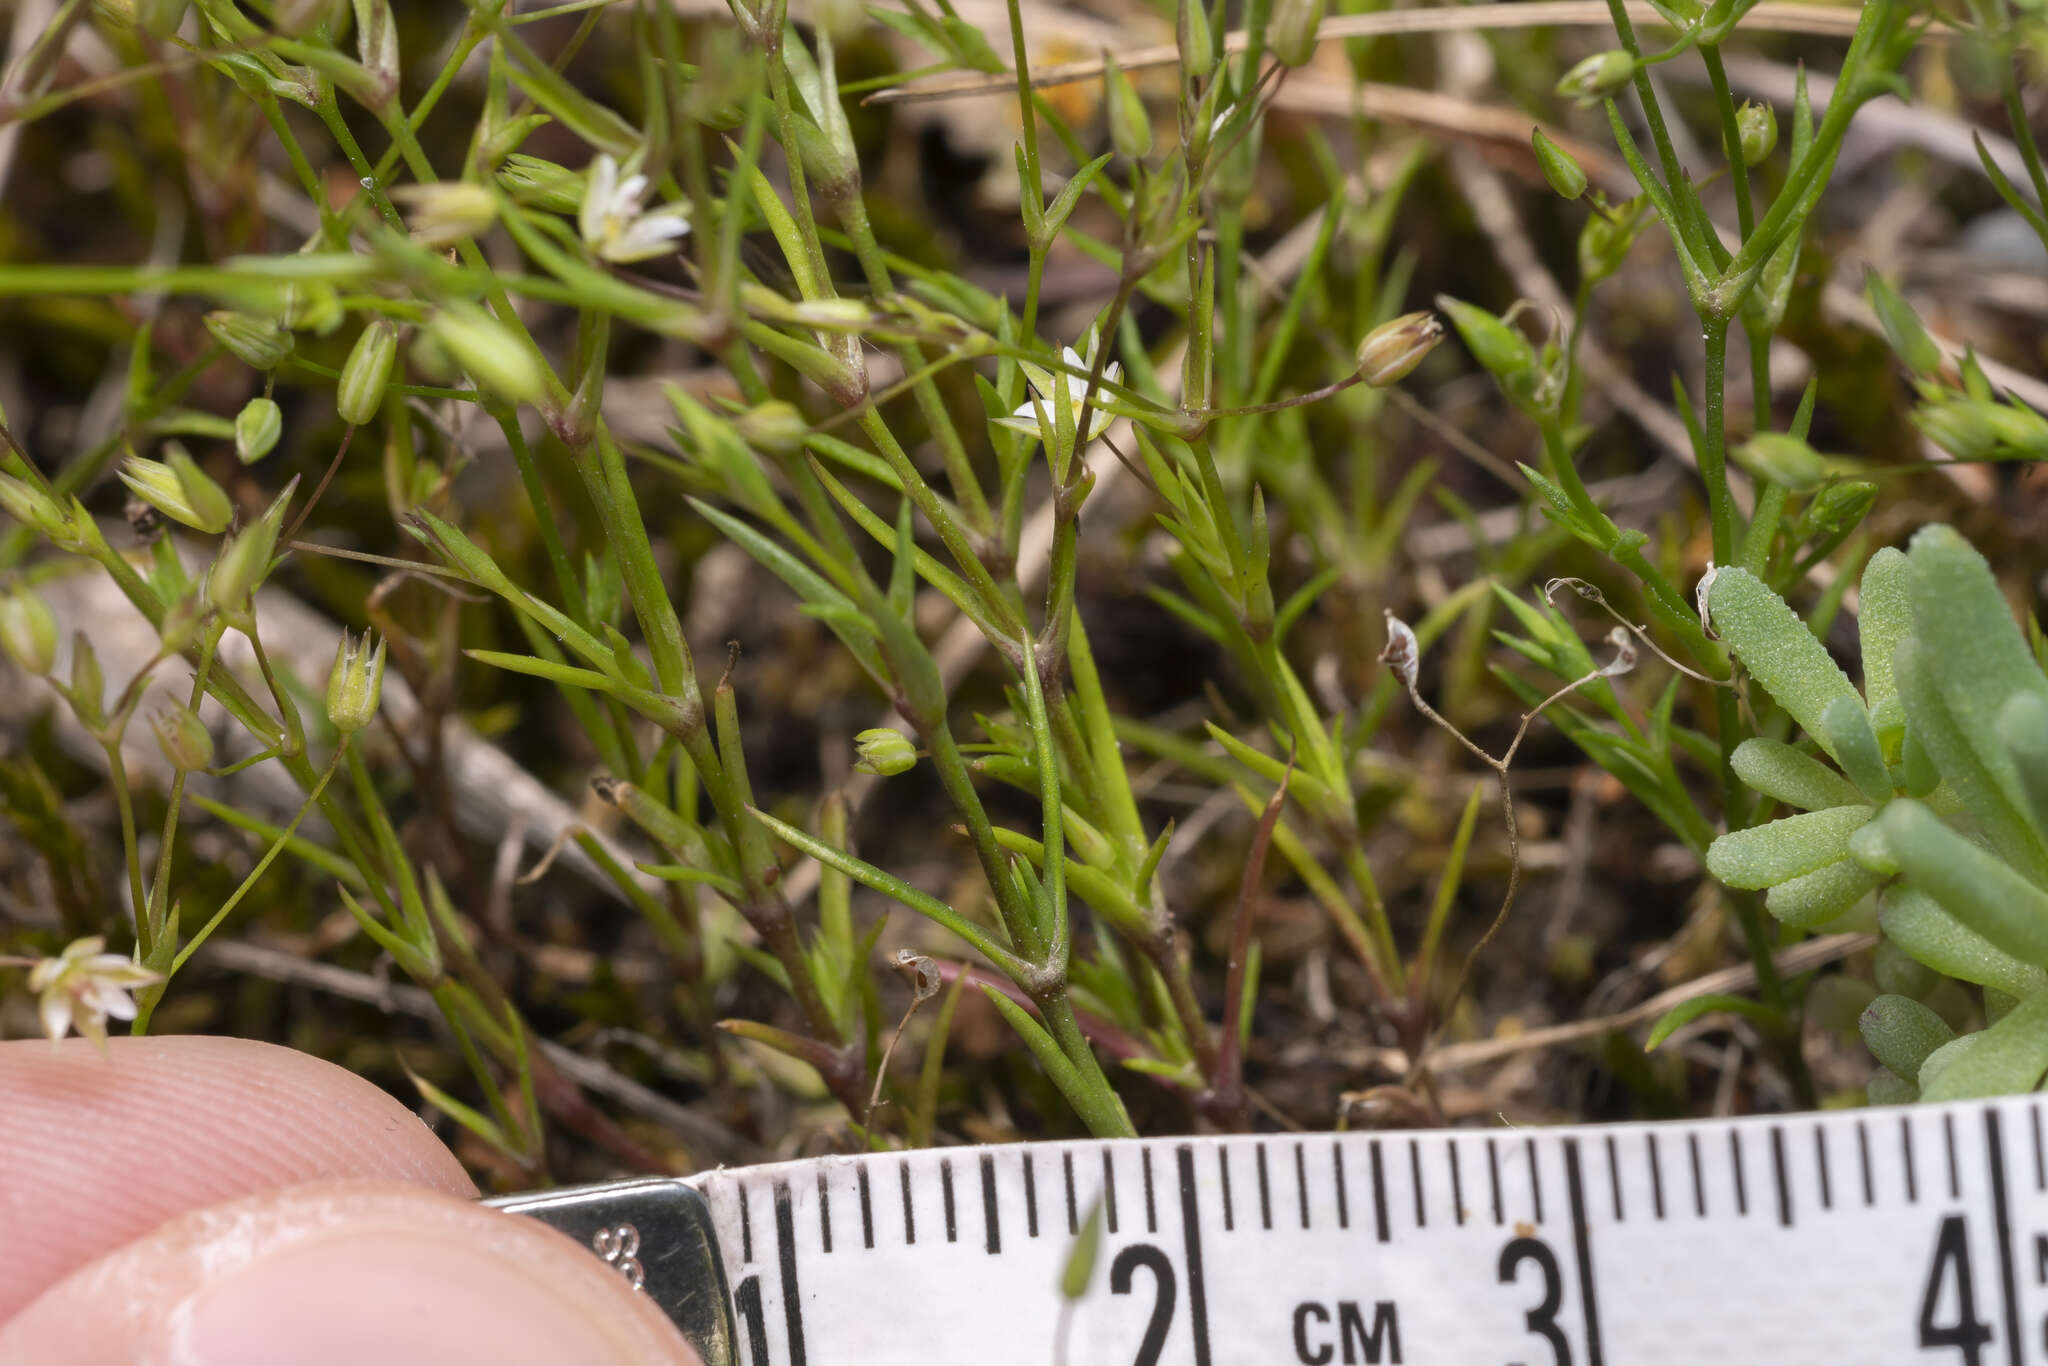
x: 1819, y: 20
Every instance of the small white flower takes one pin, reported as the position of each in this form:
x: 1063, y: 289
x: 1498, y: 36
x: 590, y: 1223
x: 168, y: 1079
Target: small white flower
x: 85, y: 987
x: 611, y: 220
x: 1035, y: 418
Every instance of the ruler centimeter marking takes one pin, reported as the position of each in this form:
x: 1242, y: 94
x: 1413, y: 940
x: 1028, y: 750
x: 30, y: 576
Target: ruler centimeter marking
x: 1353, y: 1256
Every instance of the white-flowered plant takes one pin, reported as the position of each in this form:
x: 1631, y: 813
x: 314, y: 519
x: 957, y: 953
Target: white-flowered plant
x: 1036, y: 417
x: 612, y: 222
x: 84, y: 987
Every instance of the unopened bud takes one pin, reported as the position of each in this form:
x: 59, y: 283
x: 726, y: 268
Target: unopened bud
x: 1393, y: 349
x: 377, y: 47
x: 88, y: 682
x: 1983, y: 429
x: 1291, y: 32
x: 180, y: 625
x: 28, y: 631
x: 31, y: 506
x: 259, y: 342
x: 1130, y: 125
x: 1597, y: 77
x: 1403, y: 653
x: 355, y: 683
x: 541, y: 184
x: 1839, y: 508
x: 446, y: 211
x: 180, y: 490
x: 367, y: 372
x: 774, y: 426
x: 160, y: 18
x: 183, y: 737
x: 1783, y: 459
x: 883, y: 752
x: 1757, y: 126
x: 257, y: 428
x: 1909, y: 340
x: 244, y: 562
x: 494, y: 358
x: 1559, y: 168
x: 1500, y: 349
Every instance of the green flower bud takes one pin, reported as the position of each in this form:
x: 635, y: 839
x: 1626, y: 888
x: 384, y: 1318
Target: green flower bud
x: 355, y: 683
x: 446, y: 211
x: 494, y: 358
x: 1783, y: 459
x: 1902, y: 330
x: 259, y: 342
x: 1130, y: 126
x: 257, y: 428
x: 1291, y: 32
x: 541, y: 184
x: 1597, y: 77
x: 1758, y: 126
x: 367, y: 373
x: 180, y: 490
x: 1605, y: 241
x: 244, y: 563
x: 775, y: 426
x: 1500, y: 350
x: 88, y: 682
x: 1559, y: 169
x: 1982, y: 429
x: 32, y: 507
x: 160, y: 18
x: 183, y: 737
x: 28, y: 631
x: 1839, y: 508
x: 884, y: 752
x: 1393, y: 349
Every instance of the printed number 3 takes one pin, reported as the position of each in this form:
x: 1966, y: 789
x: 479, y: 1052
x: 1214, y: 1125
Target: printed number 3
x: 1542, y: 1320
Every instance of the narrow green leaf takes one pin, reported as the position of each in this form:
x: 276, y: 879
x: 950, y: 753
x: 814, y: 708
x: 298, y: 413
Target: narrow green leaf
x: 1792, y: 776
x: 2008, y: 1058
x: 1787, y: 848
x: 1779, y: 651
x: 1918, y: 924
x: 1900, y: 1033
x: 1685, y: 1012
x: 1883, y: 620
x: 1977, y: 887
x: 1847, y: 727
x: 1812, y: 900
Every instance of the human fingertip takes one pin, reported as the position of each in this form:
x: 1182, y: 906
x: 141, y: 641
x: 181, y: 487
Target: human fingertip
x: 346, y: 1274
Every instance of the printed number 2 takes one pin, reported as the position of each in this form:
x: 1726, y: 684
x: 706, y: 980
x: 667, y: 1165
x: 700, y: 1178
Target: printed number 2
x: 1968, y: 1333
x: 1542, y: 1320
x: 1155, y: 1261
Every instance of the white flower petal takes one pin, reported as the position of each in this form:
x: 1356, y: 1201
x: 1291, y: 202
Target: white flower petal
x: 626, y: 201
x: 644, y: 237
x: 111, y: 1001
x: 55, y: 1009
x: 598, y: 193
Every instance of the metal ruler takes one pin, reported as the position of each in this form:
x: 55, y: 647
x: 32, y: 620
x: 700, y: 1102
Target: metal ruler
x: 1864, y: 1236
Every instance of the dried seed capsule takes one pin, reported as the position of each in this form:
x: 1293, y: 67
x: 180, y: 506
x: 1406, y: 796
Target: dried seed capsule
x: 1393, y: 349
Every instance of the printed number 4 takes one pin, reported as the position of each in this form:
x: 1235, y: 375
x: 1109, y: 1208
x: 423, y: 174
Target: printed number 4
x: 1542, y: 1320
x: 1967, y: 1333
